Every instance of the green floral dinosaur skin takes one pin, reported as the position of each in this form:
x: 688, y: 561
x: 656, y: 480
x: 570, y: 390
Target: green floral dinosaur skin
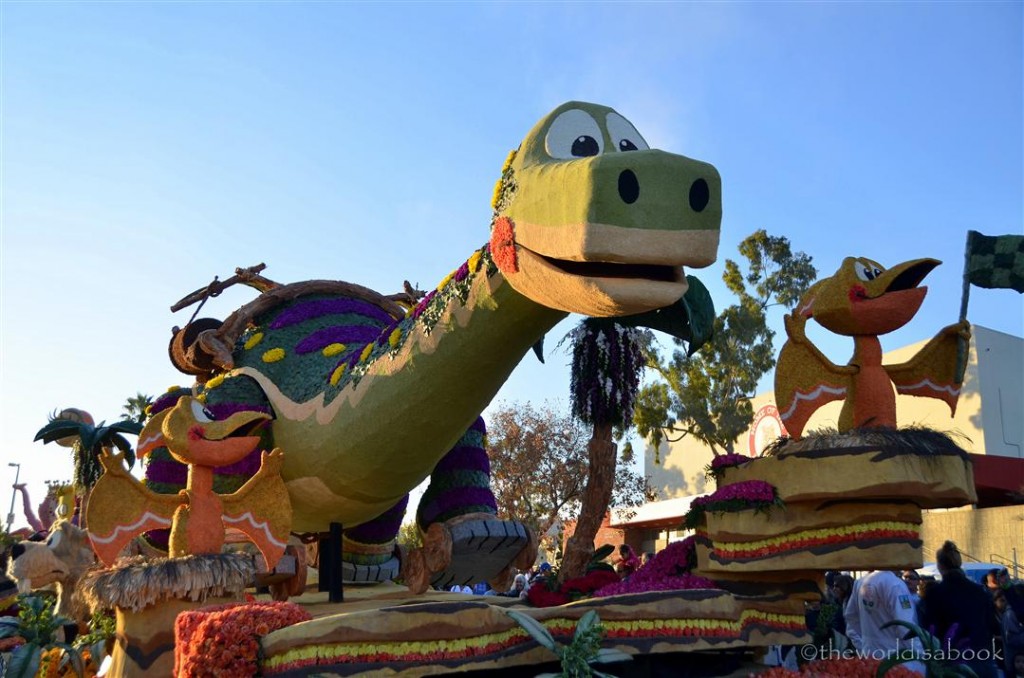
x: 583, y: 223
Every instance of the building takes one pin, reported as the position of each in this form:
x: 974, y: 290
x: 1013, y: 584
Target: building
x: 989, y: 422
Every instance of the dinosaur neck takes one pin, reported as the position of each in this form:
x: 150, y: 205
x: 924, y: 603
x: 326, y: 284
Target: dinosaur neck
x: 410, y: 405
x: 867, y: 350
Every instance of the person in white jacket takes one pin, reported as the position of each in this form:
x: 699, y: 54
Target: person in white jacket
x: 877, y: 599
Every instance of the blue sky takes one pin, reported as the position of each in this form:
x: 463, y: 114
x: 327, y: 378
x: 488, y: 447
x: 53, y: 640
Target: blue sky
x: 147, y: 147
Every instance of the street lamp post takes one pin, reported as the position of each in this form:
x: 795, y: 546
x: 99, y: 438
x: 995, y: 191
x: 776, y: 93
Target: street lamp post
x: 14, y: 494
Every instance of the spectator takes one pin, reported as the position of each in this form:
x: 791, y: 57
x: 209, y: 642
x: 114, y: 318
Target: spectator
x: 913, y: 580
x: 519, y: 586
x: 842, y: 589
x: 957, y: 600
x: 628, y: 562
x: 543, y: 572
x: 877, y: 599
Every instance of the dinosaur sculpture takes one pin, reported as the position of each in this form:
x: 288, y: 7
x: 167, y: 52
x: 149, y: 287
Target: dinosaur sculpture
x: 863, y: 300
x: 367, y: 396
x: 47, y: 509
x: 61, y: 560
x: 123, y: 508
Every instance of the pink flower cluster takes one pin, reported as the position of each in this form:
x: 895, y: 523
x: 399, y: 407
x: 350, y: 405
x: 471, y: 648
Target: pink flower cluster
x: 669, y: 570
x: 223, y: 640
x: 728, y: 460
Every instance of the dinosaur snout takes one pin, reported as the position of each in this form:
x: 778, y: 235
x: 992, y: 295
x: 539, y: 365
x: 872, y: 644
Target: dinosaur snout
x: 629, y: 190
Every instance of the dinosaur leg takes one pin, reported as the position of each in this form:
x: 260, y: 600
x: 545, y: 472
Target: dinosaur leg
x: 368, y: 551
x: 464, y: 539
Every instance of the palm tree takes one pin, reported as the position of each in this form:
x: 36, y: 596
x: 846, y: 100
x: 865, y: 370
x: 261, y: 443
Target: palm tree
x: 75, y: 429
x: 607, y: 359
x: 135, y: 407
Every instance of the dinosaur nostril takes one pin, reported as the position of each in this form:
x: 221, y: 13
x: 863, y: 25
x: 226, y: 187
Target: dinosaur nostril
x: 17, y: 550
x: 700, y: 194
x: 629, y: 187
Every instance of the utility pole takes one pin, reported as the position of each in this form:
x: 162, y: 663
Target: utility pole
x: 14, y: 494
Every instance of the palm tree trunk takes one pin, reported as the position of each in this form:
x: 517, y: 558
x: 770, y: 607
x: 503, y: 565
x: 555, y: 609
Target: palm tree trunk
x: 596, y: 497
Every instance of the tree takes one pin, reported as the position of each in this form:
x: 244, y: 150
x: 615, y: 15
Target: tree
x: 135, y: 408
x: 539, y: 466
x: 75, y: 429
x: 707, y: 395
x: 607, y: 359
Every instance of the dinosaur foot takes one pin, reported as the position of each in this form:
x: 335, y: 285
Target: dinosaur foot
x: 482, y: 550
x: 369, y: 574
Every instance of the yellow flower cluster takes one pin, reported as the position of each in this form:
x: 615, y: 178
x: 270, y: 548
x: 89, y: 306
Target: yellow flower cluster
x: 329, y: 653
x: 367, y: 350
x: 333, y: 349
x: 273, y: 355
x: 497, y: 186
x: 847, y: 532
x: 395, y: 337
x: 474, y: 260
x: 253, y: 340
x: 338, y: 372
x: 215, y: 382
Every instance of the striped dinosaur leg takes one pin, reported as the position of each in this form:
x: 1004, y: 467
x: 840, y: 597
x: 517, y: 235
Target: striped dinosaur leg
x: 464, y: 540
x: 368, y: 551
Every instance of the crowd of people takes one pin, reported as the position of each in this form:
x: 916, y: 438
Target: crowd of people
x: 981, y: 627
x: 625, y: 564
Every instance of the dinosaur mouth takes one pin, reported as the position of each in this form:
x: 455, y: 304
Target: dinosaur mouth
x: 600, y: 269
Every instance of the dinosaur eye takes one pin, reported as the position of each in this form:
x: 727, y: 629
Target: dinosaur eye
x: 574, y: 134
x: 201, y: 414
x: 624, y: 135
x: 867, y: 270
x: 54, y: 540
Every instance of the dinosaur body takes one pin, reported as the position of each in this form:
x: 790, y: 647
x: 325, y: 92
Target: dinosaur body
x: 367, y: 396
x: 863, y: 300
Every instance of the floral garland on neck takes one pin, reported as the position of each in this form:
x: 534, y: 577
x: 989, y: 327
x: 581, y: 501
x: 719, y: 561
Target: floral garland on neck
x: 741, y: 496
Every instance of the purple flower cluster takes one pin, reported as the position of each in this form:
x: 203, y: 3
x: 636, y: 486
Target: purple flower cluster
x: 669, y: 570
x: 747, y: 494
x: 753, y: 491
x: 728, y: 460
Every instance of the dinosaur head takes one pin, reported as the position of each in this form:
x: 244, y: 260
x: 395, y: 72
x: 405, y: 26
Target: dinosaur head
x: 865, y: 298
x: 193, y: 436
x: 590, y: 220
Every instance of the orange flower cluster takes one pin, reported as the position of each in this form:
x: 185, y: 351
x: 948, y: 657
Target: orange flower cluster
x: 223, y: 640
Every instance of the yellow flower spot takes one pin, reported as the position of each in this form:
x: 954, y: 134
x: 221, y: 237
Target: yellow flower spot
x: 215, y: 382
x: 497, y: 195
x: 395, y: 337
x: 253, y: 340
x: 474, y: 261
x: 447, y: 279
x: 337, y: 374
x: 333, y: 349
x: 273, y: 355
x: 366, y: 352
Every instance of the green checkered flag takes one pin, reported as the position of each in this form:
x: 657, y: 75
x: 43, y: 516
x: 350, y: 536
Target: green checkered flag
x: 994, y: 262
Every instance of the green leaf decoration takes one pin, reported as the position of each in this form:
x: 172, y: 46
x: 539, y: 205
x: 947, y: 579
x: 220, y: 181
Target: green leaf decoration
x: 585, y: 623
x: 72, y: 655
x: 8, y: 627
x: 57, y: 429
x: 691, y: 319
x: 700, y: 309
x: 602, y: 553
x: 537, y: 631
x: 24, y: 661
x: 608, y: 655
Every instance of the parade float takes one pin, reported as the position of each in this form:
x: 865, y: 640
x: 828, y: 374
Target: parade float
x: 319, y: 405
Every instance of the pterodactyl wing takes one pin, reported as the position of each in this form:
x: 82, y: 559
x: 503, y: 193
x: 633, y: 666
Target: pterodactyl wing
x: 931, y: 373
x: 805, y: 379
x: 262, y: 510
x: 120, y: 508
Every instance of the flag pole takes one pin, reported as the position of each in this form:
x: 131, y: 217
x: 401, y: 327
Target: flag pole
x: 963, y: 344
